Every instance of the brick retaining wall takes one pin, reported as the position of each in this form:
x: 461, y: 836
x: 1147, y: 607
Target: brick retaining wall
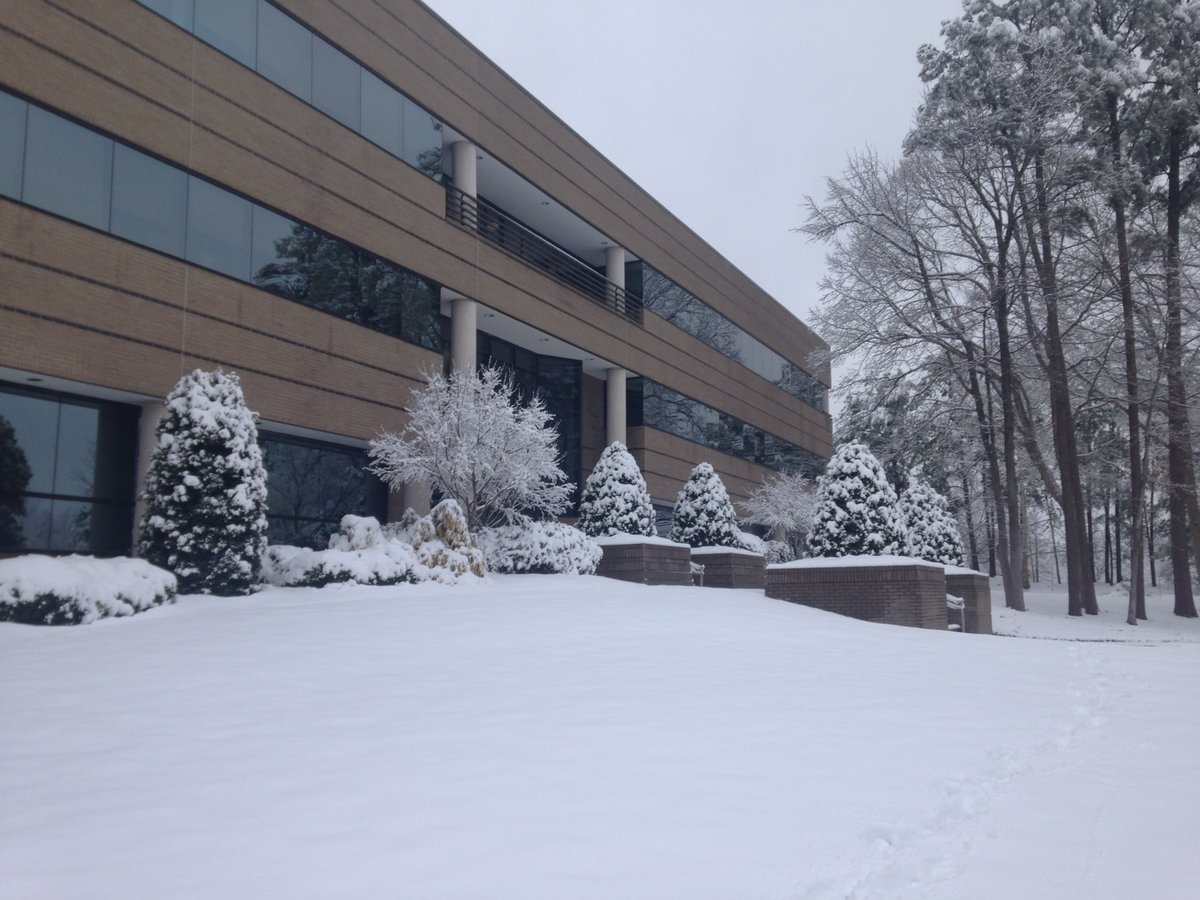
x: 977, y: 593
x: 732, y: 570
x: 646, y: 563
x: 913, y: 595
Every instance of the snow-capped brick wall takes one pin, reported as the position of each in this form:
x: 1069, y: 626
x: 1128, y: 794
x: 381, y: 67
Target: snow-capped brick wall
x: 974, y: 589
x: 653, y: 562
x: 899, y: 593
x: 727, y: 568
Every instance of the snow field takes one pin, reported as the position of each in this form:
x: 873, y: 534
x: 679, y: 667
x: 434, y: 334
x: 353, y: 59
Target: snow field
x: 567, y: 736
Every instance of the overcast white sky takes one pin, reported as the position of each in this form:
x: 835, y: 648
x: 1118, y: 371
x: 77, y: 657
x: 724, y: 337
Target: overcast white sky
x: 729, y: 112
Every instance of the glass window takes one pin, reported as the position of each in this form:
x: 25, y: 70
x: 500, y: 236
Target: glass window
x: 284, y: 51
x: 218, y: 229
x: 66, y: 473
x: 382, y: 114
x: 178, y: 11
x: 336, y: 83
x: 149, y: 202
x: 68, y: 170
x: 230, y: 26
x: 422, y: 140
x: 272, y: 269
x: 12, y: 144
x: 311, y: 485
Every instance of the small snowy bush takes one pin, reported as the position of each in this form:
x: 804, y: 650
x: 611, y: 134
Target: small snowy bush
x: 856, y: 511
x: 931, y: 530
x: 540, y: 547
x: 206, y: 491
x: 452, y: 551
x: 615, y: 499
x: 704, y: 515
x: 391, y: 562
x: 772, y: 551
x: 75, y: 590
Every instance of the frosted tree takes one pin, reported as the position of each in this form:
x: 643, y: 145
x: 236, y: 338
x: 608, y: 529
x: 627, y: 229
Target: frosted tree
x: 704, y: 515
x: 856, y: 511
x: 615, y: 499
x: 469, y: 437
x: 931, y: 531
x: 784, y: 503
x: 206, y: 492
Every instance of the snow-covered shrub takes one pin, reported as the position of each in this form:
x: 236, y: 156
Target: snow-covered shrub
x: 856, y: 511
x: 540, y: 547
x: 206, y: 491
x: 785, y: 503
x: 391, y: 562
x: 772, y: 551
x: 615, y: 499
x: 931, y: 531
x: 704, y: 515
x: 470, y: 437
x: 75, y: 590
x: 452, y: 551
x: 359, y: 552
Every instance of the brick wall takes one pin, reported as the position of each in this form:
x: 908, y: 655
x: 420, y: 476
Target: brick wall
x: 977, y: 593
x: 913, y: 595
x: 732, y: 570
x: 646, y: 563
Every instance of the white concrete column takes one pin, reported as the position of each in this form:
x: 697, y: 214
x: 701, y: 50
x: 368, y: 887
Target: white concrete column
x: 464, y: 316
x: 614, y: 405
x: 614, y: 271
x: 152, y: 414
x: 462, y: 158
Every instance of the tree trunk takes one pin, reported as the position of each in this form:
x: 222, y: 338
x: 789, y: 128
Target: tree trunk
x: 971, y: 540
x: 1117, y: 536
x: 1178, y: 439
x: 1107, y: 543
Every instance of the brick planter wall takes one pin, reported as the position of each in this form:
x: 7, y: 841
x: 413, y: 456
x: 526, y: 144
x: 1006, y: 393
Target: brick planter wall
x: 646, y: 563
x: 900, y: 594
x: 977, y: 592
x: 732, y: 570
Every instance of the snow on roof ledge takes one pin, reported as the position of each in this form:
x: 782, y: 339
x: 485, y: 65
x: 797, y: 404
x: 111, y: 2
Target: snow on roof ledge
x: 962, y: 570
x: 855, y: 562
x: 713, y: 551
x: 617, y: 540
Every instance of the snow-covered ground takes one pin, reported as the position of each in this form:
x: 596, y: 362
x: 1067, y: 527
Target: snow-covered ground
x: 575, y: 737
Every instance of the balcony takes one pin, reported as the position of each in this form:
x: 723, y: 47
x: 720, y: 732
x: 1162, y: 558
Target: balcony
x: 497, y: 227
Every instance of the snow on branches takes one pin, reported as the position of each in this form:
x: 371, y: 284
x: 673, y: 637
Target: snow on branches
x: 704, y: 515
x: 856, y: 511
x: 206, y: 491
x: 931, y: 530
x: 615, y: 499
x: 469, y: 437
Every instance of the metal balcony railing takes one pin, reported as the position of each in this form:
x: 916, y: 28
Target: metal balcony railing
x: 497, y: 227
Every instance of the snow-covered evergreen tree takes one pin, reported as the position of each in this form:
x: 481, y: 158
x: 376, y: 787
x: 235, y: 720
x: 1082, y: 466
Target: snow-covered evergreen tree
x: 206, y: 491
x: 615, y: 499
x: 856, y: 508
x: 704, y: 515
x: 930, y: 530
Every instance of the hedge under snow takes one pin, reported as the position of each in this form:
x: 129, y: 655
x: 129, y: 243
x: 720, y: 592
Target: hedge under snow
x: 540, y: 548
x: 75, y: 590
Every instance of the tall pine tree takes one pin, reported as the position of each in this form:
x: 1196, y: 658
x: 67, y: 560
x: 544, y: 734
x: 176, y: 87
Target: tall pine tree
x: 856, y: 508
x: 704, y: 514
x: 615, y: 499
x: 206, y: 491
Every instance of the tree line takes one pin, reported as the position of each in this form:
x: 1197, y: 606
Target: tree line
x: 1014, y: 301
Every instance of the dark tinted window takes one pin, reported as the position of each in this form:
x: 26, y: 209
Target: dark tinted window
x: 422, y: 140
x: 218, y: 229
x: 229, y: 25
x: 12, y: 144
x: 382, y: 114
x: 336, y: 84
x: 311, y: 485
x: 284, y: 51
x: 66, y: 473
x: 178, y: 11
x: 149, y: 202
x: 68, y: 169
